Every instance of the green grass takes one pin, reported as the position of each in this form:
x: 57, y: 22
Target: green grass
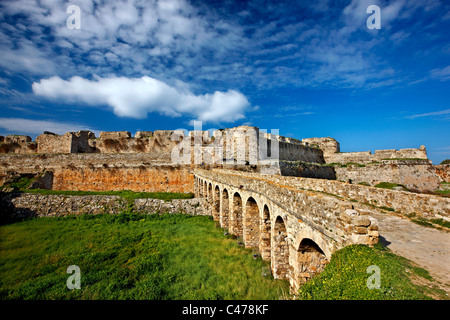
x: 443, y: 192
x: 389, y: 185
x: 345, y: 277
x: 355, y: 164
x: 129, y: 256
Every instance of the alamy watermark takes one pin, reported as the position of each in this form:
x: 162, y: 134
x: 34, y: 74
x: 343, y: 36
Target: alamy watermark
x: 374, y: 281
x: 74, y: 281
x: 241, y: 145
x: 74, y: 20
x: 374, y: 21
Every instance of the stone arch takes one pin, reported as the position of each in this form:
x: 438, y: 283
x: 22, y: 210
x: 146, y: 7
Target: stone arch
x: 224, y: 210
x: 251, y: 224
x: 310, y: 260
x: 204, y: 189
x: 210, y: 193
x: 265, y: 227
x: 280, y: 253
x: 236, y: 215
x: 216, y: 204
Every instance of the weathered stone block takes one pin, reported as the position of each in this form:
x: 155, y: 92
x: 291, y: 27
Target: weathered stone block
x: 361, y: 221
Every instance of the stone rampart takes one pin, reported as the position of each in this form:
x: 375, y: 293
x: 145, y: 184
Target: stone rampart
x: 332, y: 154
x: 443, y: 172
x: 102, y: 172
x: 26, y: 205
x: 414, y: 175
x: 241, y: 145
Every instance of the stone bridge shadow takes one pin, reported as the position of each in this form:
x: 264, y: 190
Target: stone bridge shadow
x: 9, y: 213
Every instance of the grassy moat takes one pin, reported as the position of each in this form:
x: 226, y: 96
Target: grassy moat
x: 133, y: 256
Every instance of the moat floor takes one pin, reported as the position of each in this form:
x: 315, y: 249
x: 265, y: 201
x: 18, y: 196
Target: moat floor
x: 427, y: 247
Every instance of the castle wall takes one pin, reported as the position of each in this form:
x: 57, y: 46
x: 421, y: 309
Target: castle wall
x: 17, y: 144
x: 149, y: 179
x: 102, y: 172
x: 328, y: 145
x: 416, y: 176
x: 28, y: 205
x: 443, y: 172
x: 378, y: 156
x: 54, y: 143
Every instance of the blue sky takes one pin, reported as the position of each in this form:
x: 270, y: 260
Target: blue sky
x: 307, y: 68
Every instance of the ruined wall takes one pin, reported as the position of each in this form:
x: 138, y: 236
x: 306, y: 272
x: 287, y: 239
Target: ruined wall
x: 328, y: 145
x: 101, y: 172
x: 70, y: 142
x: 443, y: 172
x: 159, y: 141
x: 27, y: 205
x: 414, y: 175
x: 378, y: 156
x: 332, y: 154
x: 150, y: 179
x: 17, y: 144
x: 306, y: 170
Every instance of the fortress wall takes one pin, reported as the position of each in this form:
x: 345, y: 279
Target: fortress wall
x: 299, y: 152
x: 149, y: 179
x: 411, y: 153
x: 332, y: 154
x: 346, y: 157
x: 306, y: 170
x: 328, y: 145
x: 17, y: 144
x: 101, y: 172
x: 425, y: 205
x: 27, y: 205
x: 443, y: 172
x: 122, y: 142
x: 416, y: 177
x: 378, y: 156
x: 53, y: 143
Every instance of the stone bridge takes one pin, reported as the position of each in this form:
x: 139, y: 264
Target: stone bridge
x: 296, y: 230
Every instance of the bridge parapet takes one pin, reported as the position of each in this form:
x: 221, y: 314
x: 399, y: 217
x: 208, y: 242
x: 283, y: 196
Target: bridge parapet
x: 297, y: 230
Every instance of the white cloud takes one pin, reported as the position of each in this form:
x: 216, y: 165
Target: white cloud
x: 27, y: 126
x: 136, y: 97
x: 442, y: 74
x: 436, y: 113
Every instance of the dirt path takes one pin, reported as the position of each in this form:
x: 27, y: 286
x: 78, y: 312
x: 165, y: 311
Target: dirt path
x: 429, y: 248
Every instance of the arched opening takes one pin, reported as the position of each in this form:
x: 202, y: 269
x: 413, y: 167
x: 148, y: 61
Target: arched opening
x: 210, y: 194
x: 280, y: 254
x: 310, y: 261
x: 216, y: 204
x: 204, y: 189
x: 264, y: 242
x: 224, y: 213
x: 236, y: 216
x: 251, y: 224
